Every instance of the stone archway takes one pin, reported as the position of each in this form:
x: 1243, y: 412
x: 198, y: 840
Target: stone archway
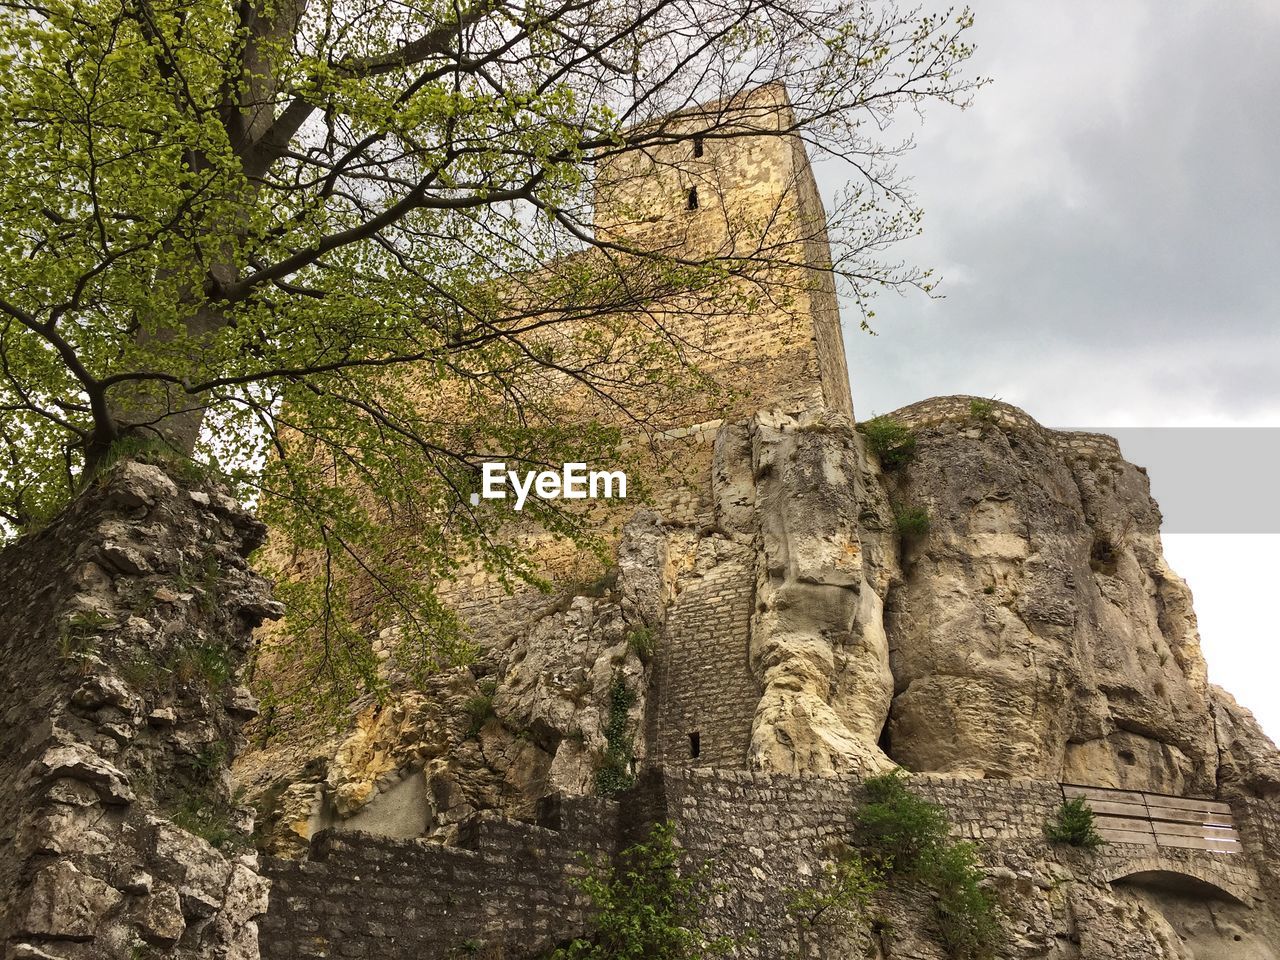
x: 1210, y: 878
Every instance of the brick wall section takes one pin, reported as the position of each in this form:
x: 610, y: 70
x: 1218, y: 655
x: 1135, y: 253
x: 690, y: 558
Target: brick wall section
x: 703, y: 681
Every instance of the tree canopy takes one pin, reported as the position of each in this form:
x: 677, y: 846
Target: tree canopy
x: 336, y: 248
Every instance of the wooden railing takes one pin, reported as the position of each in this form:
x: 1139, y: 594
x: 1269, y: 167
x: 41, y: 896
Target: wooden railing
x: 1153, y: 819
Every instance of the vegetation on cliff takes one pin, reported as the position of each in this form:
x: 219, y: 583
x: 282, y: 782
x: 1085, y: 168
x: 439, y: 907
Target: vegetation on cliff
x: 323, y: 247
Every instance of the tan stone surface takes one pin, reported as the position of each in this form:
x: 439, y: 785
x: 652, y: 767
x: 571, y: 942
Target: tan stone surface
x: 1037, y: 630
x: 818, y: 645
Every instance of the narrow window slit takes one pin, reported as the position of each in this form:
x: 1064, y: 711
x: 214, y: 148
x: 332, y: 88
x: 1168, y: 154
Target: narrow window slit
x: 693, y: 198
x: 697, y: 146
x: 695, y: 744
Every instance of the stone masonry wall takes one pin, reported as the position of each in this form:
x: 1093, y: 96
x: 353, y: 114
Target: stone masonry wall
x: 703, y: 683
x: 502, y: 891
x: 1068, y: 442
x: 507, y: 892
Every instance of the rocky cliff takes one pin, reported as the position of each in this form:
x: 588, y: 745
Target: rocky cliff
x: 123, y: 626
x: 799, y: 626
x: 991, y: 612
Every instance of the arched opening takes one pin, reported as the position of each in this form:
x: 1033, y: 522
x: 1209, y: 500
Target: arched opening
x: 1175, y: 881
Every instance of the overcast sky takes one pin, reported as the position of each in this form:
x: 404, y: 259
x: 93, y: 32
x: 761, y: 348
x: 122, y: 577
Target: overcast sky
x: 1106, y: 218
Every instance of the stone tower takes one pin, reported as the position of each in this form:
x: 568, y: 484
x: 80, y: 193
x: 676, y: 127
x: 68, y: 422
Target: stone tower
x: 745, y: 189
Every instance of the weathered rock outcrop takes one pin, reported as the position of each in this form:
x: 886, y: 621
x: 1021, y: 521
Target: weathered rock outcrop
x: 1037, y: 630
x: 531, y: 717
x: 122, y: 630
x: 1248, y: 762
x: 791, y: 630
x: 824, y: 561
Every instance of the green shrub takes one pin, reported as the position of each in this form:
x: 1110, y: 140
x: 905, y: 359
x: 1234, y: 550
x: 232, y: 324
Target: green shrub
x: 894, y: 443
x: 912, y: 521
x: 614, y: 775
x: 906, y: 837
x: 968, y: 922
x: 1073, y: 825
x: 982, y: 409
x: 899, y: 830
x: 648, y: 907
x: 640, y: 641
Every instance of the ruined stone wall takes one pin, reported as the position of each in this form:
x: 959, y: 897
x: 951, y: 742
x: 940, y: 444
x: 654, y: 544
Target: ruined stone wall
x: 123, y: 626
x: 502, y: 891
x: 507, y: 892
x: 1068, y: 442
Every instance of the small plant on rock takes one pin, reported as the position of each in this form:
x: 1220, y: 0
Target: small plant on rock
x: 912, y: 521
x: 893, y: 442
x: 80, y: 635
x: 209, y: 817
x: 983, y: 410
x: 207, y: 663
x: 1073, y: 825
x: 640, y: 641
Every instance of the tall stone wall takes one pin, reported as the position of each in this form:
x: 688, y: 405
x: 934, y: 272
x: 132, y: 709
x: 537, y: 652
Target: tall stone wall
x: 123, y: 625
x: 756, y: 199
x: 705, y: 692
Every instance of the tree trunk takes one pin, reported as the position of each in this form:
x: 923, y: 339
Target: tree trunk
x: 155, y: 410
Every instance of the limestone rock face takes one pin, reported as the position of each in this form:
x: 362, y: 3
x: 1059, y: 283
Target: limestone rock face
x: 824, y: 559
x: 1248, y: 761
x: 1037, y: 630
x: 788, y: 625
x: 528, y: 719
x: 123, y: 628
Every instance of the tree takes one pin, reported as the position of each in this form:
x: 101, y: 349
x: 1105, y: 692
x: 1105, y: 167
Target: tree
x: 651, y: 905
x: 337, y: 247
